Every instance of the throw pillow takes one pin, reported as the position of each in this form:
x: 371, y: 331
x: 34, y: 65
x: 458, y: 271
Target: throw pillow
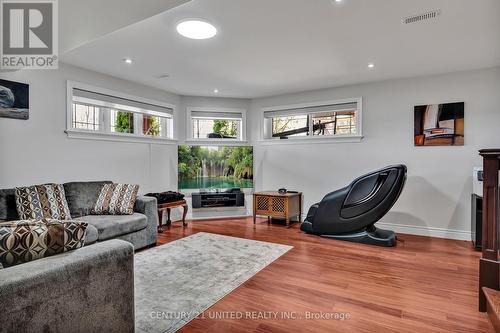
x: 42, y: 202
x: 116, y: 199
x: 23, y: 241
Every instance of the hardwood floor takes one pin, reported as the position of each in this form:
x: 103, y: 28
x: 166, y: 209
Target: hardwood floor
x: 422, y: 285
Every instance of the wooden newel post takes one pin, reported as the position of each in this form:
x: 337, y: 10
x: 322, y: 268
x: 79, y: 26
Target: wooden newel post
x: 489, y: 263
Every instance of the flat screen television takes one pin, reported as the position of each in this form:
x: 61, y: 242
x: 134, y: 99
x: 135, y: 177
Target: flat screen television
x: 215, y: 167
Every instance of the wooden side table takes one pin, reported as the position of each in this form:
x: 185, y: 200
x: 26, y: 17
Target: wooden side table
x: 277, y: 205
x: 168, y: 207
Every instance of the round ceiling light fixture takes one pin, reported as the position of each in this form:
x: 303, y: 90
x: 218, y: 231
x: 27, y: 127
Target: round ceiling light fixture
x: 196, y: 29
x: 371, y: 65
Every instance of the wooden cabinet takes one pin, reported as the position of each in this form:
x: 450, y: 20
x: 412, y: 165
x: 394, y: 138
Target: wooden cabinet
x: 489, y: 264
x: 274, y: 204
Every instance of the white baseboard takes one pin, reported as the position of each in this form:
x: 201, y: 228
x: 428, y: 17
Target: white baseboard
x: 401, y: 228
x: 427, y: 231
x: 424, y: 231
x: 218, y: 217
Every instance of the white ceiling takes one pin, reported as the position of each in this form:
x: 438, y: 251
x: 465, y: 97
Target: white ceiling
x: 269, y: 47
x: 82, y: 21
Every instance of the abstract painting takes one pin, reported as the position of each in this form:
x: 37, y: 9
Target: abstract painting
x: 439, y: 124
x: 14, y: 100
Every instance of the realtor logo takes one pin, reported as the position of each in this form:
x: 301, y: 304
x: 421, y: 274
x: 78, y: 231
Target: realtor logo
x: 29, y: 34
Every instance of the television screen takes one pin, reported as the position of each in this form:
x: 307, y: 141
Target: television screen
x: 212, y: 167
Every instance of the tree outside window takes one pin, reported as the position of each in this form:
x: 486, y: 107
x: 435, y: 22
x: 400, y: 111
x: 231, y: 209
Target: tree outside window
x: 228, y: 128
x: 151, y: 125
x: 124, y: 122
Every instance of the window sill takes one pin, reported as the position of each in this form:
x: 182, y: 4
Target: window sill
x: 88, y: 135
x: 312, y: 140
x: 218, y: 142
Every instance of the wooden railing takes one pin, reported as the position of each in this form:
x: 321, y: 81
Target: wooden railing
x: 489, y: 273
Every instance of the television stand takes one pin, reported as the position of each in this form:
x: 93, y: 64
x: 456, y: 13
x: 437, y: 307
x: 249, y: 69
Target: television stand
x: 218, y: 199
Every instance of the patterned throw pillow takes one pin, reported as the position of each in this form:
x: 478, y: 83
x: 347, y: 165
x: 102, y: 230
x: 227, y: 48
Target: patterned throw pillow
x: 23, y: 241
x: 42, y: 202
x: 116, y: 199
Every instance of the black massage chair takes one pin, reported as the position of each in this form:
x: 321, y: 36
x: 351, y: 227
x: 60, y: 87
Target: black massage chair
x: 350, y: 213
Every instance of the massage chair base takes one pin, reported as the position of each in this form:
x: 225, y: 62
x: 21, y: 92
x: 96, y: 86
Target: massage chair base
x: 374, y: 236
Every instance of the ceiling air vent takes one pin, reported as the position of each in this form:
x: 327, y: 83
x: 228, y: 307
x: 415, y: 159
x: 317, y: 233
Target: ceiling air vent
x: 422, y: 17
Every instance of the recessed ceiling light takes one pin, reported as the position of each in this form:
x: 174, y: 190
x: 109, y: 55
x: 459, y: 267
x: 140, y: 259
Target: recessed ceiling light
x: 196, y: 29
x: 128, y: 60
x: 371, y: 65
x: 338, y: 0
x: 216, y: 91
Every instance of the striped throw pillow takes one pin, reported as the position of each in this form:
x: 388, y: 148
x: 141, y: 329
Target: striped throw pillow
x: 42, y: 202
x: 116, y: 199
x: 23, y: 241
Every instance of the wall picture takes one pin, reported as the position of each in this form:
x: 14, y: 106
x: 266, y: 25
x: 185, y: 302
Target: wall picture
x: 439, y: 124
x: 14, y: 100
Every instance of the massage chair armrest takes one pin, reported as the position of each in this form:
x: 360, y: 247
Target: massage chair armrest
x: 311, y: 212
x: 328, y: 210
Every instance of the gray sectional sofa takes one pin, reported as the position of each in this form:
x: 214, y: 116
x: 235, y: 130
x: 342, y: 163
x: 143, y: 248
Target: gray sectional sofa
x: 140, y: 228
x: 87, y: 290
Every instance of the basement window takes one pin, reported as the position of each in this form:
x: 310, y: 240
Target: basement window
x: 122, y: 122
x: 86, y: 117
x: 325, y: 120
x: 223, y: 125
x: 102, y: 114
x: 153, y: 125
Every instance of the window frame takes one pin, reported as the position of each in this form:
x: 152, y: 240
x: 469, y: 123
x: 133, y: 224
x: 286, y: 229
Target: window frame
x: 189, y: 126
x: 73, y: 122
x: 104, y: 132
x: 266, y: 129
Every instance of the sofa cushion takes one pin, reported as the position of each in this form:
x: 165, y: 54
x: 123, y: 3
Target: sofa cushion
x: 91, y: 234
x: 8, y: 209
x: 23, y: 241
x: 111, y: 226
x: 116, y: 199
x: 42, y: 202
x: 81, y: 196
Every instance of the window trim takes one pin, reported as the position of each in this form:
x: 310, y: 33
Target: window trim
x: 87, y: 105
x: 193, y: 140
x: 105, y: 133
x: 315, y: 138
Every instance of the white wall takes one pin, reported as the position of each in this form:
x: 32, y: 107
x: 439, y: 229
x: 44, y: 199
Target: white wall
x: 37, y: 150
x: 436, y: 199
x: 211, y: 102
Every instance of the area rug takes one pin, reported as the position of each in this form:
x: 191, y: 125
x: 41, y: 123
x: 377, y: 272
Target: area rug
x: 177, y: 281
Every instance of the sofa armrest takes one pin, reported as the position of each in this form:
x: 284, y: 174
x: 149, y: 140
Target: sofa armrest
x: 90, y: 289
x: 148, y: 206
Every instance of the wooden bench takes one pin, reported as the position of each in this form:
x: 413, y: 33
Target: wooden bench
x: 168, y: 207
